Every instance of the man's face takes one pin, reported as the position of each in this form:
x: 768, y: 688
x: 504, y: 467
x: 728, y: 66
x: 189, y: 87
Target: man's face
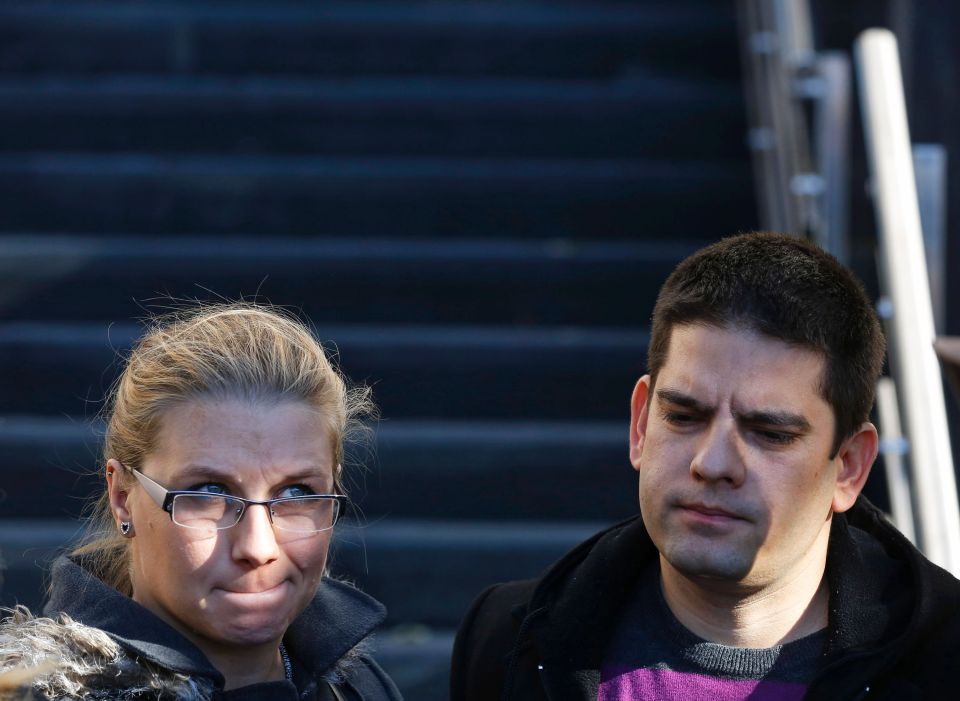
x: 733, y: 451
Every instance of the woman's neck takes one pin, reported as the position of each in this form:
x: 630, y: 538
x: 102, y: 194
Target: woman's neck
x: 248, y: 665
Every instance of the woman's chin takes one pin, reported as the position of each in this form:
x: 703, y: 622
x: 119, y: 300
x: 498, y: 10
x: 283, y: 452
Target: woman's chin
x: 250, y: 618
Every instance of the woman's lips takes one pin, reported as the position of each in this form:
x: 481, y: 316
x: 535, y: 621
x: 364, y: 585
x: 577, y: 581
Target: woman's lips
x: 251, y: 590
x: 254, y: 594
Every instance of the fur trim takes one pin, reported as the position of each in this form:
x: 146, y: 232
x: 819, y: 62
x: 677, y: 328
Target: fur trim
x: 88, y: 664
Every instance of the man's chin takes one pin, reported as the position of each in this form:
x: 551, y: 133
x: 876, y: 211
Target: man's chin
x: 710, y: 564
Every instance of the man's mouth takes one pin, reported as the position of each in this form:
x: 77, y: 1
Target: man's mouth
x: 711, y: 512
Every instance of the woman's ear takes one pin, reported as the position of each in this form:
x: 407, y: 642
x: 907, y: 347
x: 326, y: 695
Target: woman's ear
x: 117, y: 491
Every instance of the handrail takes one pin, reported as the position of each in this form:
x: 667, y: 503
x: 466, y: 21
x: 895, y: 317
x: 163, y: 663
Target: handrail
x: 777, y: 141
x: 799, y: 163
x: 903, y: 268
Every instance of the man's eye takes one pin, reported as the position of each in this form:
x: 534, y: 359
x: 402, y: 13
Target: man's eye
x: 778, y: 437
x: 678, y: 418
x: 295, y: 490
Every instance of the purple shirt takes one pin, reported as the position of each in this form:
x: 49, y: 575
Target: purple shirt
x: 651, y: 655
x: 669, y: 685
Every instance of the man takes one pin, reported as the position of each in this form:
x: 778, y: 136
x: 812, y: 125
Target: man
x: 755, y: 569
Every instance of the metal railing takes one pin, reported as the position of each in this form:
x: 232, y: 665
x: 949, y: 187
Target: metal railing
x: 799, y: 106
x: 911, y: 332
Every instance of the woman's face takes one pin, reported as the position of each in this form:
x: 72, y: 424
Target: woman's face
x: 241, y: 586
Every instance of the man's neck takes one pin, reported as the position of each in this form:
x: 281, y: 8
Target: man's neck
x: 788, y: 609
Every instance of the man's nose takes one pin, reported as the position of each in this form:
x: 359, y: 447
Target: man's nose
x: 254, y: 539
x: 718, y: 456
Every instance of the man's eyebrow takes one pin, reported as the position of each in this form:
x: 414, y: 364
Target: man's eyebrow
x: 678, y: 398
x: 780, y: 419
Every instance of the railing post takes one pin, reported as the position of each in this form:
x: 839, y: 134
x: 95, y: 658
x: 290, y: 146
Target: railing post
x: 930, y: 167
x: 893, y: 448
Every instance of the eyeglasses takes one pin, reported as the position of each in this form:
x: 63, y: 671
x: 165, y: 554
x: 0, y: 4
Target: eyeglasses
x: 203, y: 511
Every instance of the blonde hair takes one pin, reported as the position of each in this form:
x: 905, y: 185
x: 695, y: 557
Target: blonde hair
x: 224, y: 351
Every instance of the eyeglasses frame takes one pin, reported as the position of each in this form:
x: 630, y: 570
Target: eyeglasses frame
x: 164, y: 497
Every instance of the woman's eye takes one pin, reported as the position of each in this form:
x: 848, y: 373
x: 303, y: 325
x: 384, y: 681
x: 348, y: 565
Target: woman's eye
x: 209, y: 487
x: 295, y: 490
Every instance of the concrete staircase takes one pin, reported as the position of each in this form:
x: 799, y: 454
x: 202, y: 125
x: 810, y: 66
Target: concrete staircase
x: 473, y: 202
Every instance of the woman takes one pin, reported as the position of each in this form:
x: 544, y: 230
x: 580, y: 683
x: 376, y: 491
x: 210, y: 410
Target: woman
x: 204, y: 576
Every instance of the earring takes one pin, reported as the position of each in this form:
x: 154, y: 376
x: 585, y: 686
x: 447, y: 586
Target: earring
x: 125, y: 529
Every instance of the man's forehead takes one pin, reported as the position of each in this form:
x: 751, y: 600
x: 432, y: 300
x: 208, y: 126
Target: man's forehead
x: 746, y: 331
x: 704, y: 360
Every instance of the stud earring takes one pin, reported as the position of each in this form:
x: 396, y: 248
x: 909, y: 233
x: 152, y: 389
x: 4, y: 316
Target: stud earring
x: 125, y: 529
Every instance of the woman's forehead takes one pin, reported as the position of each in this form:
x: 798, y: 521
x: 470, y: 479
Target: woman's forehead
x: 218, y: 436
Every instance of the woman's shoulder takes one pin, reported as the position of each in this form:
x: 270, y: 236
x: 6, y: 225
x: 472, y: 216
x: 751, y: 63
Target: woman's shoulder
x: 335, y: 639
x: 67, y: 659
x: 366, y: 680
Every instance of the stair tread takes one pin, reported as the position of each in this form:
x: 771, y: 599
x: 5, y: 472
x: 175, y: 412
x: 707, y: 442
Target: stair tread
x: 615, y: 16
x: 150, y: 251
x: 406, y: 336
x: 194, y: 92
x: 390, y: 533
x: 498, y: 170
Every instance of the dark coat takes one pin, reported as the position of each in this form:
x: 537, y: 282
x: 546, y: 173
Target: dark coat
x: 326, y: 641
x: 893, y: 626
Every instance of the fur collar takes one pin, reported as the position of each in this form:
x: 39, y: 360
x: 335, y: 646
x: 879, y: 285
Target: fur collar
x: 88, y: 664
x: 327, y: 638
x: 106, y: 646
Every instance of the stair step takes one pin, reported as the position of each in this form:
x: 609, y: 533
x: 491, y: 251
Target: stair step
x: 515, y: 470
x: 413, y: 117
x: 426, y: 281
x: 395, y: 197
x: 363, y: 38
x: 417, y: 658
x: 387, y: 559
x: 422, y: 372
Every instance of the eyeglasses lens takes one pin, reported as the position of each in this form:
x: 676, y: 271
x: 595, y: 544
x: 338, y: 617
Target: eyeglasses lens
x: 305, y: 515
x: 217, y: 511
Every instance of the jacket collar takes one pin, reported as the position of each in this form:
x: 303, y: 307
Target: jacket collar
x: 882, y: 593
x: 885, y: 600
x: 337, y: 620
x: 579, y: 599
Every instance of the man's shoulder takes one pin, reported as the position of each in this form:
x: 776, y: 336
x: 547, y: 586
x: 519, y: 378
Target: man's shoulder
x: 495, y: 617
x: 497, y: 631
x: 502, y: 607
x: 486, y: 638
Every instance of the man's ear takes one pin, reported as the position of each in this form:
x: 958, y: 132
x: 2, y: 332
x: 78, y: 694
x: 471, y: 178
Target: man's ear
x: 117, y: 492
x: 639, y: 408
x: 856, y: 456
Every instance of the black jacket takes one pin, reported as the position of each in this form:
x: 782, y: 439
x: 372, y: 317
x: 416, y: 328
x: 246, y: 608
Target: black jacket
x: 323, y: 641
x: 893, y: 630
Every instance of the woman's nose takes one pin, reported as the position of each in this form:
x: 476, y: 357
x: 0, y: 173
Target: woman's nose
x: 254, y: 539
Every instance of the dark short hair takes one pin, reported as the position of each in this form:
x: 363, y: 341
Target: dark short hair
x: 788, y: 289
